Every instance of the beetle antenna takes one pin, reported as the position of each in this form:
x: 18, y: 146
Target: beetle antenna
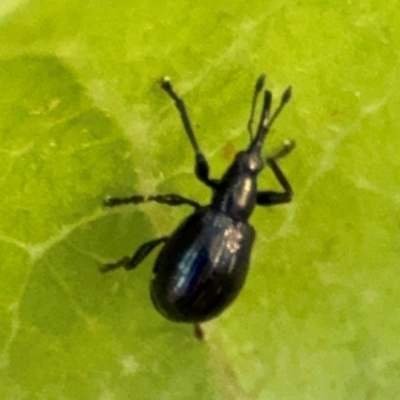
x: 266, y: 122
x: 257, y: 90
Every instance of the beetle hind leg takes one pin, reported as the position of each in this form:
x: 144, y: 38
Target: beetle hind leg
x: 198, y: 332
x: 132, y: 262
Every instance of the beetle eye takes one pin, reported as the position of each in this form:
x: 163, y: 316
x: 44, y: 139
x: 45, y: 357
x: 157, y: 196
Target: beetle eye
x: 255, y: 163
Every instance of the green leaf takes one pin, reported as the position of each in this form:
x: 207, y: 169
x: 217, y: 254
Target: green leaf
x: 82, y: 117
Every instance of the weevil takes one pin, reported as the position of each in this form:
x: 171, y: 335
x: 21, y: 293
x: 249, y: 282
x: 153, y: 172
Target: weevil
x: 203, y: 264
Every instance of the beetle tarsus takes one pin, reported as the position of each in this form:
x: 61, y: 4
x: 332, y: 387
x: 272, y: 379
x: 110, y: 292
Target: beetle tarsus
x: 114, y: 266
x: 119, y: 201
x: 169, y: 199
x: 287, y: 147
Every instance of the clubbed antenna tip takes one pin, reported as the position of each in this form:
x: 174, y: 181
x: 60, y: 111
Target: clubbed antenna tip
x: 260, y: 83
x: 287, y: 95
x: 165, y: 82
x: 266, y: 121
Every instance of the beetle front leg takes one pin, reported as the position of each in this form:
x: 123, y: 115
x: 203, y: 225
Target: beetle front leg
x: 270, y: 197
x: 132, y: 262
x: 202, y: 170
x: 169, y: 199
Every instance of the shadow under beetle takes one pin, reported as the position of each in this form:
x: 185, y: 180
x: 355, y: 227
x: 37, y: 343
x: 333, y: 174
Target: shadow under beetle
x: 204, y: 263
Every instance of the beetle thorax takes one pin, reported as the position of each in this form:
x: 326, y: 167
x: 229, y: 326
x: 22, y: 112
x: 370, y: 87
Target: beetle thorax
x: 237, y: 193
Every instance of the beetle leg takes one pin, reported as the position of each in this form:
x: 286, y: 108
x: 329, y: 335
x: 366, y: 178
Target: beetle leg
x: 198, y: 332
x: 202, y: 169
x: 141, y: 253
x: 270, y: 197
x: 170, y: 199
x: 287, y: 147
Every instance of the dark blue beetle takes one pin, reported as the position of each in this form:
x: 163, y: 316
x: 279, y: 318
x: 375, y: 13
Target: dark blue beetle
x: 203, y: 265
